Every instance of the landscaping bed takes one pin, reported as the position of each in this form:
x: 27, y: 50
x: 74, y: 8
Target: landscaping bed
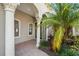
x: 44, y: 46
x: 66, y: 49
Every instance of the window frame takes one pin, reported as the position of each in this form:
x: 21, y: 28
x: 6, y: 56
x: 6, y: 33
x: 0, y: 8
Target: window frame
x: 28, y: 29
x: 19, y: 28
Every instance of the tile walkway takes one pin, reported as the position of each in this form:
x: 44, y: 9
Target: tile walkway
x: 28, y: 48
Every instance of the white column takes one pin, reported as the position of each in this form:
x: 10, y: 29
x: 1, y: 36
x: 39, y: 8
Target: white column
x: 9, y: 29
x: 74, y: 33
x: 38, y: 33
x: 46, y: 34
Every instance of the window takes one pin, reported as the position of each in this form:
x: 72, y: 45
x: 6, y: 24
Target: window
x: 30, y: 29
x: 16, y: 28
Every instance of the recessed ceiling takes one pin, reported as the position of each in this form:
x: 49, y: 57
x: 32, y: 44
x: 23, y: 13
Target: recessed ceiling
x: 28, y: 8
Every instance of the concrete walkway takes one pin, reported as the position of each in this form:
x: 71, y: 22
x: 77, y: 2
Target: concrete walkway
x: 28, y: 49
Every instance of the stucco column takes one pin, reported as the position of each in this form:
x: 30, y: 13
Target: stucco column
x: 38, y: 32
x: 73, y: 30
x: 46, y: 34
x: 9, y: 28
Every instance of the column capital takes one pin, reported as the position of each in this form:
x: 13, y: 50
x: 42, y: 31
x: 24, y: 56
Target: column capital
x: 10, y: 6
x: 38, y: 18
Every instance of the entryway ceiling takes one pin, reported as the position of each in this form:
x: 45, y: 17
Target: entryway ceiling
x: 28, y: 8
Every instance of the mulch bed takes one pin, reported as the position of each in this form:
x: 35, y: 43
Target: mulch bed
x: 47, y: 50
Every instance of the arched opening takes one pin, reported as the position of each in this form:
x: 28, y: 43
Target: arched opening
x: 25, y: 28
x: 20, y: 27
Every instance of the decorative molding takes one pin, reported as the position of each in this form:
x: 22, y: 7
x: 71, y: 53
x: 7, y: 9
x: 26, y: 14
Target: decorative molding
x: 42, y: 9
x: 38, y: 19
x: 10, y: 6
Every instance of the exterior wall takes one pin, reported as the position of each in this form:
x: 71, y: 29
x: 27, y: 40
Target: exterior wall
x: 25, y: 20
x: 2, y: 26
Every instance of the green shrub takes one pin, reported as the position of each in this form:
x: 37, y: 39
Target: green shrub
x: 43, y: 43
x: 68, y: 51
x: 77, y: 42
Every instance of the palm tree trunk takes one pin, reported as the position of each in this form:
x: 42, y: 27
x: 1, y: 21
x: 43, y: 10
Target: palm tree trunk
x: 67, y: 33
x: 58, y: 37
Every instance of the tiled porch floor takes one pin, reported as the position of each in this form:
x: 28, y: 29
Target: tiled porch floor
x: 28, y: 48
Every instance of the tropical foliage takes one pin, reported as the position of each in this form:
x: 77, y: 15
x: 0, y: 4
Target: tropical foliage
x: 68, y: 51
x: 63, y: 17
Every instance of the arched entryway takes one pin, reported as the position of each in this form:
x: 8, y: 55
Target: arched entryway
x: 12, y: 20
x: 25, y: 21
x: 25, y: 30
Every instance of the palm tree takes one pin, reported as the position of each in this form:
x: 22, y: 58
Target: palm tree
x: 63, y: 17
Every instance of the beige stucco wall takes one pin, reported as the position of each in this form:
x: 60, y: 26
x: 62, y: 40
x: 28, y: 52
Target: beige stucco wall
x: 25, y: 20
x: 2, y: 26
